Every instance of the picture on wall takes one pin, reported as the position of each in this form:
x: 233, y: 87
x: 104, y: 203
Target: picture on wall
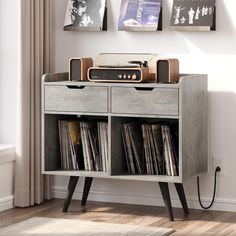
x: 140, y: 15
x: 86, y: 15
x: 193, y: 15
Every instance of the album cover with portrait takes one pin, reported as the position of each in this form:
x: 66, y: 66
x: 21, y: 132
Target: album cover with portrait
x: 86, y: 15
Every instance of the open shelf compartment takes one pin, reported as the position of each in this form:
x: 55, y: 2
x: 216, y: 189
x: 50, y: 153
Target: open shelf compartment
x: 52, y: 163
x: 119, y: 166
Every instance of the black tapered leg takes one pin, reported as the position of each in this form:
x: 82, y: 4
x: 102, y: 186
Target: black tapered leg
x: 71, y: 188
x: 87, y: 184
x: 166, y: 197
x: 180, y: 190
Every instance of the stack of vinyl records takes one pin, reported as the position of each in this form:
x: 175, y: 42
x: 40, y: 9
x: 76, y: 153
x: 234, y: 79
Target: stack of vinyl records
x: 150, y: 149
x: 83, y: 145
x: 132, y: 140
x: 169, y: 151
x: 94, y: 137
x: 70, y: 145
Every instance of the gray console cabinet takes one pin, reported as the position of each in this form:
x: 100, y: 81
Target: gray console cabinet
x: 184, y: 103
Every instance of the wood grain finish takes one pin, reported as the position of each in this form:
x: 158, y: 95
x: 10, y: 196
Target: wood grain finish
x: 158, y: 101
x: 145, y: 76
x: 193, y: 135
x: 184, y: 103
x: 55, y: 77
x: 173, y: 69
x: 76, y: 98
x: 198, y: 223
x: 82, y: 64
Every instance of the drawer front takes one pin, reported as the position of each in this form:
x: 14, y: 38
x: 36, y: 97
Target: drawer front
x: 76, y: 99
x: 149, y: 101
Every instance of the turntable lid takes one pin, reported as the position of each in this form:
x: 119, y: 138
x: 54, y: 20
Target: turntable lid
x: 122, y: 59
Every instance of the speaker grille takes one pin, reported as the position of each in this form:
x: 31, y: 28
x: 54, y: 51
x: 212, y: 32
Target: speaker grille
x: 163, y: 71
x: 75, y: 69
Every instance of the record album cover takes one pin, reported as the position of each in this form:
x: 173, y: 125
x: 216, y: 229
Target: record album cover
x: 85, y: 15
x: 139, y: 15
x: 193, y: 15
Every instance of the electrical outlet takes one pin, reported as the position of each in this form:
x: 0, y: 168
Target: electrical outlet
x: 217, y: 161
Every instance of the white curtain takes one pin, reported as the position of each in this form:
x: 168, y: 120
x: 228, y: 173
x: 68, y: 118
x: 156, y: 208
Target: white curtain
x: 35, y: 60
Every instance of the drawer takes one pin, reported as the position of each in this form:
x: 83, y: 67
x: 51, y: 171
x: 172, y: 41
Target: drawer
x: 76, y: 98
x: 149, y: 101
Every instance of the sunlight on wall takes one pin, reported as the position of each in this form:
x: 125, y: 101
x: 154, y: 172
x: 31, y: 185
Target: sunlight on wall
x: 230, y: 5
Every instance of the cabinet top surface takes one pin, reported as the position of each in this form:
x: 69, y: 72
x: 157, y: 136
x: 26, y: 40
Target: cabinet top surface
x: 120, y: 84
x: 102, y: 84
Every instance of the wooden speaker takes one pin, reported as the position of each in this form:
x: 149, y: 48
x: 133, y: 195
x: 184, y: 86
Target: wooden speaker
x: 78, y: 68
x: 167, y: 70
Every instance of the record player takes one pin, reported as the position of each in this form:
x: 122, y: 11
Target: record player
x: 122, y: 67
x: 123, y: 73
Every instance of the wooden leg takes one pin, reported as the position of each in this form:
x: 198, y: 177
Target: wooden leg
x: 180, y: 190
x: 166, y: 197
x: 87, y: 185
x: 71, y: 188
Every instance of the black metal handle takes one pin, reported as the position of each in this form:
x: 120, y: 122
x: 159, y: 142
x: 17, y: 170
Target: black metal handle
x: 144, y: 88
x: 75, y: 87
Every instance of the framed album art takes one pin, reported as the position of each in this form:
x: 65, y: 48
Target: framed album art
x: 193, y: 15
x: 86, y: 15
x: 140, y: 15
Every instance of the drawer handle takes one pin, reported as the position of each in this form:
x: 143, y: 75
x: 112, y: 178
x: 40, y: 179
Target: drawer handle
x: 143, y: 89
x: 75, y: 87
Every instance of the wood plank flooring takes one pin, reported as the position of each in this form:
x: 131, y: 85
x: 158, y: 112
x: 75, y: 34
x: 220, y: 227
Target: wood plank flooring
x: 199, y: 222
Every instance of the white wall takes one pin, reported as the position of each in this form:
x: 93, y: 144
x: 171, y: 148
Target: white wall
x: 9, y: 31
x: 8, y: 69
x: 213, y: 53
x: 7, y: 170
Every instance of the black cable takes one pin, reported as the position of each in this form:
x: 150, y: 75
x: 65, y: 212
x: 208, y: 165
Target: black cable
x: 214, y: 194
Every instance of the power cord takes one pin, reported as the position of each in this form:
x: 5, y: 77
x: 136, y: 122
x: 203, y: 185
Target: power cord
x: 213, y: 198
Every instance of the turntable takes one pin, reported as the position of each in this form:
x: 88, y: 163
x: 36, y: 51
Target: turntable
x: 124, y: 68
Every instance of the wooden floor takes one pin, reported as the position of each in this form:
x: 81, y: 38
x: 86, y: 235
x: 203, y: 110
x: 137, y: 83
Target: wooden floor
x: 197, y: 223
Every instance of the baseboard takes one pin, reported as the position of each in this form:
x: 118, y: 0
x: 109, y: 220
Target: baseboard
x: 99, y: 196
x: 6, y: 203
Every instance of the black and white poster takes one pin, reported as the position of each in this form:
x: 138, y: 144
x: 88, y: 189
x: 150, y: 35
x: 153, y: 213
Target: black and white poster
x: 193, y: 13
x: 85, y: 15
